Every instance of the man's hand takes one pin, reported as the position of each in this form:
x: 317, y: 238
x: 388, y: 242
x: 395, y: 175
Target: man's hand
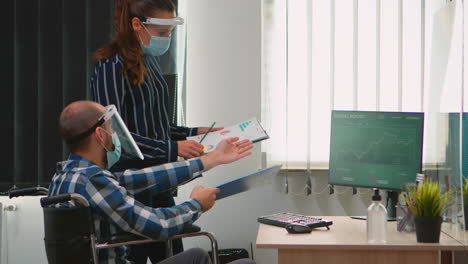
x: 206, y: 196
x: 189, y: 149
x: 227, y: 151
x: 203, y: 130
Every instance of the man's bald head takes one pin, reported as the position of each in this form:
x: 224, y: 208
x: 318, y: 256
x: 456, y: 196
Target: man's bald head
x: 77, y: 118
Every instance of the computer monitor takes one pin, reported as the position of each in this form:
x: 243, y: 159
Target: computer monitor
x: 453, y: 144
x: 375, y: 149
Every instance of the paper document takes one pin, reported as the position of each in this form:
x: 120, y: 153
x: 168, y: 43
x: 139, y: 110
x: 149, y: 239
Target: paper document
x: 249, y: 129
x: 245, y: 183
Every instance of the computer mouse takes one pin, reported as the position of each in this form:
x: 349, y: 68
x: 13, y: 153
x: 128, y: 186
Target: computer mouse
x: 298, y: 229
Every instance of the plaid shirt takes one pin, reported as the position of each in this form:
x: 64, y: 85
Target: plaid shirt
x: 115, y: 209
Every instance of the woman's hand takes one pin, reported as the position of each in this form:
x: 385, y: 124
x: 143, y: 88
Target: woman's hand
x: 203, y: 130
x: 227, y: 151
x: 189, y: 149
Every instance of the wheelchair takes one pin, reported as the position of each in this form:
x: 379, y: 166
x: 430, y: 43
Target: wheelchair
x: 79, y: 244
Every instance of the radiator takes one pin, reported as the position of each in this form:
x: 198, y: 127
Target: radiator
x: 21, y: 231
x: 2, y: 238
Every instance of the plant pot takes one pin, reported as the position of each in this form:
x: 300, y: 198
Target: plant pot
x: 428, y: 228
x: 465, y: 209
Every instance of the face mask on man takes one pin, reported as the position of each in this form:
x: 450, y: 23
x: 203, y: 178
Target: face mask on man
x: 157, y: 45
x: 113, y: 156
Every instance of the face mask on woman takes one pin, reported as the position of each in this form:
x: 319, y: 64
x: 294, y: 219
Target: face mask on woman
x: 157, y: 45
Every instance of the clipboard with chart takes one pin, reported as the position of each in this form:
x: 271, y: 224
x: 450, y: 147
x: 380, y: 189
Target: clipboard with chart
x: 248, y: 182
x: 250, y: 129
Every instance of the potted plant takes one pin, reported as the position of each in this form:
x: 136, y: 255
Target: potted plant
x: 427, y: 203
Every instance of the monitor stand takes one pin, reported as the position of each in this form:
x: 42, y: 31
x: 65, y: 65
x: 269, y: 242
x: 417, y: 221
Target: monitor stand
x: 392, y: 201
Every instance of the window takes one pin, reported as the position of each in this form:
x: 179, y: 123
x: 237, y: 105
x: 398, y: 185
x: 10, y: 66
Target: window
x: 320, y: 55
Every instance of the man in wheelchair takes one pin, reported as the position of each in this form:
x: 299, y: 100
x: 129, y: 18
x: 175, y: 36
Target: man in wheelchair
x: 96, y: 142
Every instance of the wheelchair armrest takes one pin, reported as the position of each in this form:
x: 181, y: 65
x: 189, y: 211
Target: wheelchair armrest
x: 126, y: 237
x: 28, y: 191
x: 61, y: 198
x: 190, y: 229
x: 121, y: 238
x: 64, y: 197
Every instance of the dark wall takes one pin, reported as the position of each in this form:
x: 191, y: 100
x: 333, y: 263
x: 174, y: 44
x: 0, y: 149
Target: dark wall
x: 46, y: 64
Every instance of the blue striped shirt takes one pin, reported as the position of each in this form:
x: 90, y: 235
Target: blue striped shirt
x: 144, y: 108
x: 111, y: 197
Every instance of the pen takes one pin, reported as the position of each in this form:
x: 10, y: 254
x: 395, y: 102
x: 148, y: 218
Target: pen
x: 207, y: 132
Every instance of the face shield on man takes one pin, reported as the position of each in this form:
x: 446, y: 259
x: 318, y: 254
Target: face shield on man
x: 123, y: 144
x: 160, y: 31
x: 120, y: 134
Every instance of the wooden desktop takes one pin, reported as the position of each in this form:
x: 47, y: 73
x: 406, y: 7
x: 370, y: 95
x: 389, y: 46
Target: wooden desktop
x: 346, y: 243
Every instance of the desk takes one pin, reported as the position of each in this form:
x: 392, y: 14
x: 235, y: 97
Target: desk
x: 346, y: 243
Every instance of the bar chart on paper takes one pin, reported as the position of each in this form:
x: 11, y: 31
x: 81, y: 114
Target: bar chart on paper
x: 244, y: 125
x: 250, y: 129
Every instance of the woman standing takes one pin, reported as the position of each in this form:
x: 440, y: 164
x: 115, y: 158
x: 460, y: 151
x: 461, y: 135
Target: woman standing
x: 127, y: 74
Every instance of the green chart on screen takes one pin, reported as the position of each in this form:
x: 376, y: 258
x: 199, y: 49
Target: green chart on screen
x: 375, y: 149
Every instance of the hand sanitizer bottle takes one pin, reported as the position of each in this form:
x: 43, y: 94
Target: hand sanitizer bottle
x: 376, y: 220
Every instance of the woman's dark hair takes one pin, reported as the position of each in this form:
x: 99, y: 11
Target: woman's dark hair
x: 125, y: 42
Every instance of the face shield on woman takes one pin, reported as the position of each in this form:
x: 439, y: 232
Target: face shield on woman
x: 171, y: 37
x: 160, y: 31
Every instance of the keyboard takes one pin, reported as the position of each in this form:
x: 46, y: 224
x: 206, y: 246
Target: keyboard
x: 283, y: 219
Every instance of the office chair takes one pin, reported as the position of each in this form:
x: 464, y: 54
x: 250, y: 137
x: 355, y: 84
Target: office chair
x: 79, y: 244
